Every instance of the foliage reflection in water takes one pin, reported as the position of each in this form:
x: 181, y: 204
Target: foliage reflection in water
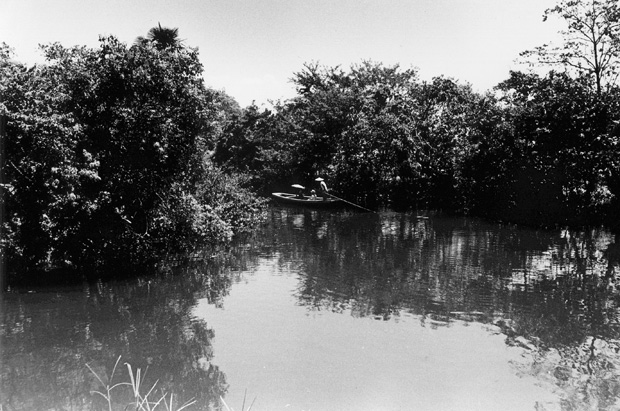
x: 548, y: 297
x: 552, y: 294
x: 48, y: 337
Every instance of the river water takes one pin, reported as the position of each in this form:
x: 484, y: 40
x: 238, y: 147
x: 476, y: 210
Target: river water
x: 335, y: 311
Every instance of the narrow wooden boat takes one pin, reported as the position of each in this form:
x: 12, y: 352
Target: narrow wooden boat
x: 306, y: 201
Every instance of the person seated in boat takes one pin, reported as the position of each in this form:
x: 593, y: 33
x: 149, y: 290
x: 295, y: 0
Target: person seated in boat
x: 313, y: 195
x: 300, y: 194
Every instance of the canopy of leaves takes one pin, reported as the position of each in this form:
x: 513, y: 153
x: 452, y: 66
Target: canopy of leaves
x: 541, y: 151
x: 379, y: 134
x: 106, y: 159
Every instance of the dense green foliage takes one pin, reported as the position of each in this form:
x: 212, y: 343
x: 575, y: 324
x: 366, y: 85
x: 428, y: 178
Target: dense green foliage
x: 378, y: 132
x: 106, y: 163
x: 564, y: 159
x: 119, y: 156
x: 541, y: 150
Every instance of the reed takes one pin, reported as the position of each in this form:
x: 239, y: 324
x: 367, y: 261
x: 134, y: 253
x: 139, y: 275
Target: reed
x: 142, y: 401
x: 242, y: 405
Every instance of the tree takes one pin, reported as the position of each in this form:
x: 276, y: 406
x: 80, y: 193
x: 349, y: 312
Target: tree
x: 554, y: 152
x: 591, y: 42
x: 106, y: 160
x: 377, y: 132
x: 257, y: 144
x: 162, y: 37
x: 356, y: 127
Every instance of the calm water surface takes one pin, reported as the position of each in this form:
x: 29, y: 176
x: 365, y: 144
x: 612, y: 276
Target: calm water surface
x: 338, y: 311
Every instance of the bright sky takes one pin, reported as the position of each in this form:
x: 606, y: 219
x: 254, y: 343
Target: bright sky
x: 251, y: 48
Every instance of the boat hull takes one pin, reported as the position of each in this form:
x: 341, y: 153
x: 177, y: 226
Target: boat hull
x: 306, y: 201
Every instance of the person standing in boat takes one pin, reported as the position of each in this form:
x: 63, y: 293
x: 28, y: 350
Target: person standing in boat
x: 323, y: 188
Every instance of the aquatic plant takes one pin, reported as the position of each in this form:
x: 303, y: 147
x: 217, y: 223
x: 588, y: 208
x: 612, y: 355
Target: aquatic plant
x: 242, y: 405
x: 142, y: 401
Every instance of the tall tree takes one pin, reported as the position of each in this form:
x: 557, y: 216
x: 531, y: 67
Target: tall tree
x: 591, y: 41
x: 161, y: 37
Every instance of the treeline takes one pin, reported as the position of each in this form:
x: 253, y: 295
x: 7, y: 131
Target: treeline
x: 541, y: 150
x: 117, y: 157
x: 538, y: 149
x: 106, y: 166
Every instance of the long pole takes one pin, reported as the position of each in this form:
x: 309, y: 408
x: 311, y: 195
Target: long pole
x: 353, y: 204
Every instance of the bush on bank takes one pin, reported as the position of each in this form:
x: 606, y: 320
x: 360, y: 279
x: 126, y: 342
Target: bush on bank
x: 106, y: 166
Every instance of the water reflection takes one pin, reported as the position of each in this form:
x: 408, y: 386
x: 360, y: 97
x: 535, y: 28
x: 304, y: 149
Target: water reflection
x: 553, y: 295
x: 440, y: 266
x: 554, y: 292
x: 47, y: 338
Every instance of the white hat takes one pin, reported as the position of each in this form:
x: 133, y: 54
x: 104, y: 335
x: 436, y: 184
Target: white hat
x: 318, y: 179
